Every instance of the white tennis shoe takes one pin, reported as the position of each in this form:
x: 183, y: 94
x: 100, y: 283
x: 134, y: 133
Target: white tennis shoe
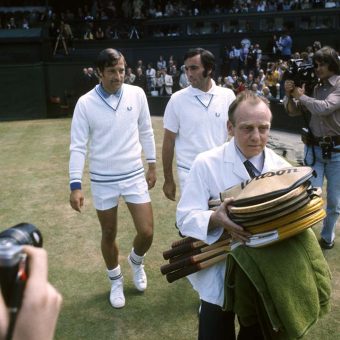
x: 139, y: 276
x: 117, y: 298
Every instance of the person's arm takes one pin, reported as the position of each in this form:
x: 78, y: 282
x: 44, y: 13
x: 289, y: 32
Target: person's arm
x: 194, y: 218
x: 147, y: 140
x: 290, y: 103
x: 220, y: 218
x: 168, y: 150
x: 320, y: 107
x: 38, y: 315
x: 78, y: 149
x: 151, y: 176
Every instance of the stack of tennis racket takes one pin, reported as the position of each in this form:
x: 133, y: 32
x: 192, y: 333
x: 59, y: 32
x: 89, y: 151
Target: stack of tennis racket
x: 273, y: 207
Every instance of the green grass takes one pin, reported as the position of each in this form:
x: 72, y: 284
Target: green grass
x: 34, y: 188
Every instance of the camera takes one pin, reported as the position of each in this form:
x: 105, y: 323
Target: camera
x: 13, y: 267
x: 301, y: 73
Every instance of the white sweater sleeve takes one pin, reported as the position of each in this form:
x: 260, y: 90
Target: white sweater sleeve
x: 78, y: 147
x: 146, y: 135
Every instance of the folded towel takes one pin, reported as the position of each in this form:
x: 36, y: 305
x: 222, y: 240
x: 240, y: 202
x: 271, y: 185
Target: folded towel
x: 285, y: 287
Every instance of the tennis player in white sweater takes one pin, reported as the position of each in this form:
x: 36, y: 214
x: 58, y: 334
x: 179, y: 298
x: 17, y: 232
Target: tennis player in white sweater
x: 112, y: 122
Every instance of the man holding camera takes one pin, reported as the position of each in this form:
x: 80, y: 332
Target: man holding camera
x: 322, y: 138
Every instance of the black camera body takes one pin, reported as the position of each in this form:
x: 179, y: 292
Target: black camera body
x: 13, y: 268
x: 301, y: 73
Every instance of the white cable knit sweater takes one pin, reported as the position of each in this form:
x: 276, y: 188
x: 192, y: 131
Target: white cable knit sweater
x: 114, y: 130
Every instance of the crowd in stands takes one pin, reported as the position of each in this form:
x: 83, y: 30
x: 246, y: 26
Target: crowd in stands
x: 164, y: 76
x: 106, y: 10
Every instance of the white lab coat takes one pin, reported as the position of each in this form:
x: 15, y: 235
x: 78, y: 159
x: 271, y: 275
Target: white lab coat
x: 212, y: 172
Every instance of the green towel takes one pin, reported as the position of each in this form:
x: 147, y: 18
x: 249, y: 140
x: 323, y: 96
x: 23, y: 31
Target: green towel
x: 285, y: 287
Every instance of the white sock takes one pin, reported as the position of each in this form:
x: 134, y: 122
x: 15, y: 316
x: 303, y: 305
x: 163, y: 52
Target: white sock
x: 114, y: 274
x: 136, y: 259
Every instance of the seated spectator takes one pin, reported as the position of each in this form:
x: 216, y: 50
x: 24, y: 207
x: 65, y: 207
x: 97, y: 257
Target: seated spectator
x: 161, y: 63
x: 266, y: 93
x: 11, y: 24
x: 169, y: 9
x: 239, y: 86
x: 158, y: 12
x: 272, y: 78
x: 250, y: 80
x: 261, y: 6
x: 175, y: 74
x: 137, y: 6
x: 130, y: 77
x: 255, y: 89
x: 159, y: 81
x: 99, y: 33
x: 183, y: 79
x: 88, y: 35
x: 140, y: 79
x: 25, y: 24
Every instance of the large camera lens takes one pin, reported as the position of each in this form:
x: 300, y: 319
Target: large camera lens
x: 20, y: 234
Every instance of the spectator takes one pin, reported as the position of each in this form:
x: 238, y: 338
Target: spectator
x: 254, y: 88
x: 284, y: 44
x: 99, y: 33
x: 11, y: 24
x: 316, y: 46
x: 261, y: 7
x: 88, y: 35
x: 167, y: 83
x: 272, y: 78
x: 159, y: 82
x: 240, y: 85
x: 234, y: 58
x: 250, y: 80
x: 266, y: 93
x: 150, y: 78
x: 183, y: 79
x: 140, y: 79
x: 161, y: 63
x: 175, y: 74
x: 93, y: 78
x: 322, y: 139
x: 140, y: 65
x: 130, y: 77
x: 41, y: 302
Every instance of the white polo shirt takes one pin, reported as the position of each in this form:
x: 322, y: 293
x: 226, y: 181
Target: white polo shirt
x: 199, y: 119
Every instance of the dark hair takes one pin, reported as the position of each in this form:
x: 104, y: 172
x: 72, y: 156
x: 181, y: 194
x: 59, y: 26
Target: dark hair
x: 108, y: 57
x: 328, y: 56
x: 207, y: 59
x: 243, y: 96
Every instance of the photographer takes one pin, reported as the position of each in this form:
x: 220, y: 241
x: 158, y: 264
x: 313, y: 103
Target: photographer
x: 37, y: 317
x: 322, y: 138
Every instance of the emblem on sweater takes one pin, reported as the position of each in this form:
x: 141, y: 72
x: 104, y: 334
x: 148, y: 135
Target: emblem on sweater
x: 129, y: 108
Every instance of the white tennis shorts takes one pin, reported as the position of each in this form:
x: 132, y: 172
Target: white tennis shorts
x: 106, y: 195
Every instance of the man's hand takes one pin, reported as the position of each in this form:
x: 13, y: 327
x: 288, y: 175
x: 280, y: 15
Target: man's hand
x: 292, y: 90
x: 77, y: 200
x: 220, y: 218
x: 169, y: 189
x: 151, y: 176
x: 298, y: 92
x: 41, y: 303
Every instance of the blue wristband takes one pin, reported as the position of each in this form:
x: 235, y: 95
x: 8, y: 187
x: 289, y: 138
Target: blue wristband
x: 75, y: 186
